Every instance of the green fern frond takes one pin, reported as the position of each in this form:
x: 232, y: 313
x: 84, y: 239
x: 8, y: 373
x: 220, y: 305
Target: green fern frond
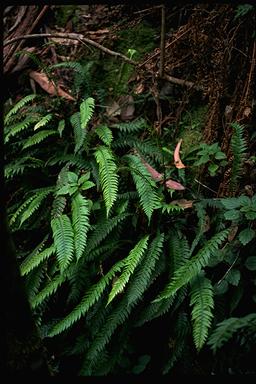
x: 48, y: 290
x: 18, y: 213
x: 144, y: 185
x: 86, y: 111
x: 238, y: 147
x: 228, y: 327
x: 58, y: 206
x: 101, y: 231
x: 38, y: 137
x: 18, y: 167
x: 43, y: 121
x: 91, y: 296
x: 32, y: 261
x: 108, y: 175
x: 130, y: 263
x: 79, y: 132
x: 21, y: 103
x: 71, y: 159
x: 143, y: 273
x: 36, y: 202
x: 105, y: 134
x: 135, y: 126
x: 18, y: 128
x: 202, y: 302
x: 192, y: 267
x: 33, y: 282
x: 201, y: 214
x: 80, y: 221
x: 63, y: 240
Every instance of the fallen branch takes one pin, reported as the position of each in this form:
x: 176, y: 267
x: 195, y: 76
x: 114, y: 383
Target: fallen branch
x: 185, y: 83
x: 71, y: 36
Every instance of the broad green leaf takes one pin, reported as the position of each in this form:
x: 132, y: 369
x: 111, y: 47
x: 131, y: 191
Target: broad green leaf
x: 232, y: 215
x: 250, y: 263
x: 246, y: 235
x: 233, y: 277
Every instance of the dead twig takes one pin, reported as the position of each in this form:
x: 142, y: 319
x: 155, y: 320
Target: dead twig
x: 71, y: 36
x: 162, y: 42
x: 186, y: 83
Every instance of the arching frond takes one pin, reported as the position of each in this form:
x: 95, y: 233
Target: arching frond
x: 58, y: 206
x: 228, y: 327
x: 80, y: 222
x: 21, y: 103
x: 43, y: 121
x: 141, y: 277
x: 38, y: 138
x: 105, y: 134
x: 144, y: 185
x: 37, y: 200
x: 18, y: 128
x: 91, y: 296
x: 32, y: 261
x: 130, y: 263
x: 63, y: 240
x: 202, y: 305
x: 48, y: 290
x: 131, y: 127
x: 79, y: 132
x: 17, y: 167
x: 239, y: 147
x: 108, y: 175
x: 86, y: 111
x: 192, y: 267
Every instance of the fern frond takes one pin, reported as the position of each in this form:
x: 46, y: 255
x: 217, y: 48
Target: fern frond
x: 192, y: 267
x: 105, y: 134
x: 227, y: 328
x: 101, y: 231
x: 130, y: 263
x: 58, y: 206
x: 18, y: 167
x: 108, y: 175
x: 71, y: 159
x: 136, y: 125
x: 179, y: 249
x: 91, y: 296
x: 32, y: 261
x: 48, y: 290
x: 202, y: 302
x: 144, y: 185
x: 80, y: 221
x: 43, y: 121
x: 238, y: 147
x: 143, y: 273
x: 63, y: 240
x: 21, y: 103
x: 33, y: 281
x: 18, y: 128
x: 38, y: 137
x: 38, y: 198
x: 18, y: 213
x: 201, y: 214
x: 86, y: 111
x: 79, y: 132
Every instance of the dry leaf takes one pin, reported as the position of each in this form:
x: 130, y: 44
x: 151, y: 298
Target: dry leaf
x: 127, y: 107
x: 113, y: 109
x: 139, y: 89
x: 155, y: 175
x: 174, y: 185
x: 232, y: 233
x: 183, y: 203
x: 177, y: 161
x: 247, y: 112
x: 49, y: 86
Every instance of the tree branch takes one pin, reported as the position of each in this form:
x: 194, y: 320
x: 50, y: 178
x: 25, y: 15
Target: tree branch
x: 71, y: 36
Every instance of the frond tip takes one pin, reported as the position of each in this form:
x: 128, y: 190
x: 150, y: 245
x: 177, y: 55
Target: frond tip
x: 63, y: 240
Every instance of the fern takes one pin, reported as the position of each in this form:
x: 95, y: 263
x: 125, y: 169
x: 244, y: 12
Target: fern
x: 92, y: 295
x: 45, y: 120
x: 48, y: 290
x: 86, y: 111
x: 18, y: 128
x: 105, y: 134
x: 79, y: 132
x: 21, y: 103
x: 130, y: 263
x: 131, y: 127
x: 15, y: 216
x: 80, y: 222
x: 108, y: 175
x: 37, y: 200
x: 202, y: 302
x: 239, y: 147
x: 201, y: 214
x: 58, y: 206
x: 143, y: 273
x: 38, y: 138
x: 227, y: 328
x: 63, y: 240
x: 71, y: 159
x: 192, y: 267
x: 101, y: 231
x: 32, y: 261
x: 144, y: 185
x: 18, y: 167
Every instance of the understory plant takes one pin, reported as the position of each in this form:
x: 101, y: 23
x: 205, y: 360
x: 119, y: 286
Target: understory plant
x: 106, y: 249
